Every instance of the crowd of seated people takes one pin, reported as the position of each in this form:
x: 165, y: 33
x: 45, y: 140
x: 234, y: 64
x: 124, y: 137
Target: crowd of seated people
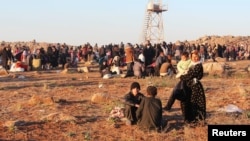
x: 140, y: 60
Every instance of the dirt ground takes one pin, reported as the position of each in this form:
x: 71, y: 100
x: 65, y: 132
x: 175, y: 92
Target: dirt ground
x: 51, y: 105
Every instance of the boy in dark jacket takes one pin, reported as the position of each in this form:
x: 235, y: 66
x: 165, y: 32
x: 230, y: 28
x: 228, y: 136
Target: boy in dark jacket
x: 149, y: 113
x: 132, y: 101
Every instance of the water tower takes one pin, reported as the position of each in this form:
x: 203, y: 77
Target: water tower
x: 153, y: 26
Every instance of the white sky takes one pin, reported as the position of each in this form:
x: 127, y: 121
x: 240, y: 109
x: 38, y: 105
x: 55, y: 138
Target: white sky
x: 76, y: 22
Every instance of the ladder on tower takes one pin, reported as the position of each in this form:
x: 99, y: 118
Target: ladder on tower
x: 146, y: 26
x: 153, y: 24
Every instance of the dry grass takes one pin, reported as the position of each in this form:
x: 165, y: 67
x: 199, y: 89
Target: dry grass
x: 71, y: 94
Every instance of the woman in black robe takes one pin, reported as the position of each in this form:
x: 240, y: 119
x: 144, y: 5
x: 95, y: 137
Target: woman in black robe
x: 194, y: 106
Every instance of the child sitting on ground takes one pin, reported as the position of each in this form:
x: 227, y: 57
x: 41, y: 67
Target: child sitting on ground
x: 149, y: 113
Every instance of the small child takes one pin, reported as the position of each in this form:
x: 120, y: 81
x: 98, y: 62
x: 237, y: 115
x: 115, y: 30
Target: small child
x: 183, y: 64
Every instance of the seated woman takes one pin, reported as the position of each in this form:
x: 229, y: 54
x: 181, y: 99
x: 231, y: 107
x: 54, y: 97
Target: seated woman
x: 138, y: 68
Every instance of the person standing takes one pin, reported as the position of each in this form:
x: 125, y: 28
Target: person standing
x: 129, y: 55
x: 194, y: 106
x: 132, y: 101
x: 149, y: 53
x: 4, y: 58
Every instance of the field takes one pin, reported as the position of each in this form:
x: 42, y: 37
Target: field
x: 51, y: 105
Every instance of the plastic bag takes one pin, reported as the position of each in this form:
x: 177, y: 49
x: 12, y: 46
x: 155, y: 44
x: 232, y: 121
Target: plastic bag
x: 232, y: 108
